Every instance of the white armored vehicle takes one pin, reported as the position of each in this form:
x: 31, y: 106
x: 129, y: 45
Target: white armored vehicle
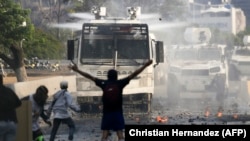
x: 239, y: 71
x: 196, y: 70
x: 124, y: 44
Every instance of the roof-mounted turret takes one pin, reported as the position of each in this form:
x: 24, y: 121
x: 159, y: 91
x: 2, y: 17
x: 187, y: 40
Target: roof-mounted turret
x: 133, y: 12
x: 197, y: 35
x: 99, y: 12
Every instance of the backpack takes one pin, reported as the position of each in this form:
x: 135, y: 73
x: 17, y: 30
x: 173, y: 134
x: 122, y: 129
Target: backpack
x: 111, y: 94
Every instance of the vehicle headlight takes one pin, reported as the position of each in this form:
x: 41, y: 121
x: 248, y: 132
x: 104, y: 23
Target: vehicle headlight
x: 214, y: 70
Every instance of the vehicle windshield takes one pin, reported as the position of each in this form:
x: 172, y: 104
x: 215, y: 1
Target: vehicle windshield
x: 98, y: 46
x: 209, y: 54
x: 243, y: 52
x: 185, y: 54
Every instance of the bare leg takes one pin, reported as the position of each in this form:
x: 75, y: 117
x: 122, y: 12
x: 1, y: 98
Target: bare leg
x: 105, y: 134
x: 120, y: 135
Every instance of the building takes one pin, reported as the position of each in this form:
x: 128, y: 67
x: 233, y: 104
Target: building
x: 245, y: 6
x: 242, y: 4
x: 224, y: 16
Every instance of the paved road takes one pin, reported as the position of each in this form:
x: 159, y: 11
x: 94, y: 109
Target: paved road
x: 188, y: 112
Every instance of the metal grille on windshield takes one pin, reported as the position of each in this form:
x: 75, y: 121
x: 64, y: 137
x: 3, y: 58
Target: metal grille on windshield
x: 200, y: 72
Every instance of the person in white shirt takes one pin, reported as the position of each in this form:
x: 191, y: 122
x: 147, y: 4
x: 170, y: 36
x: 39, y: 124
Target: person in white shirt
x: 62, y: 101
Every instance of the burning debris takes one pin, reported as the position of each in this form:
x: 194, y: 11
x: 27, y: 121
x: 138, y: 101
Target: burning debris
x: 220, y: 111
x: 197, y: 113
x: 161, y: 119
x: 207, y: 112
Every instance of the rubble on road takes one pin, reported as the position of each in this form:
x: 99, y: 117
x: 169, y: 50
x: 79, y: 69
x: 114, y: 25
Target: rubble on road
x: 190, y: 113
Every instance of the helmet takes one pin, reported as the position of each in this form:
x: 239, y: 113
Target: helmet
x: 64, y: 84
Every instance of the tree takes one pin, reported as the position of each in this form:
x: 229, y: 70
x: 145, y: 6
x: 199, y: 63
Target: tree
x: 44, y: 46
x: 15, y: 26
x: 50, y: 12
x: 238, y: 40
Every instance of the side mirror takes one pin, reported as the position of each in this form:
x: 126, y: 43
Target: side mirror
x: 71, y: 49
x: 159, y: 52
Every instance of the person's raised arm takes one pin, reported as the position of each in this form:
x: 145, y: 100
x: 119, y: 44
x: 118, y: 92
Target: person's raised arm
x: 75, y: 68
x: 135, y: 73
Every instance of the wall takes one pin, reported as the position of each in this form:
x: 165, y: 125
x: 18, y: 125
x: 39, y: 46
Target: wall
x: 52, y: 83
x: 24, y: 126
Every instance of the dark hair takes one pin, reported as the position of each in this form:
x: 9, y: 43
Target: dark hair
x: 41, y: 95
x: 42, y: 89
x: 112, y: 74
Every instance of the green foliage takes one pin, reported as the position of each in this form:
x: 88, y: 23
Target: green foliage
x: 238, y: 40
x: 43, y: 46
x: 247, y: 31
x: 36, y: 43
x: 12, y: 17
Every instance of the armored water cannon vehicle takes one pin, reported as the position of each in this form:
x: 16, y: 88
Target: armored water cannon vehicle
x: 196, y: 70
x: 124, y: 44
x: 239, y: 70
x: 195, y: 35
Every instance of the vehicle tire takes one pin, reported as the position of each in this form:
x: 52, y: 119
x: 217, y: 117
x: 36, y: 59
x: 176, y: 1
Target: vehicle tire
x: 173, y: 90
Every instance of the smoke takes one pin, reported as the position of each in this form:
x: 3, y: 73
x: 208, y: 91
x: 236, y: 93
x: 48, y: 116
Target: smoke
x: 117, y: 8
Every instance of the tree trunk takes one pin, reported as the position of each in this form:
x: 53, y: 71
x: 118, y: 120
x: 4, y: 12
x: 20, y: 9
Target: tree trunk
x: 17, y: 63
x: 21, y: 74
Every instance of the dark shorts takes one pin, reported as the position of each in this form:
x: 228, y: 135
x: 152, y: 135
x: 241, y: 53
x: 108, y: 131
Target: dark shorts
x: 113, y: 121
